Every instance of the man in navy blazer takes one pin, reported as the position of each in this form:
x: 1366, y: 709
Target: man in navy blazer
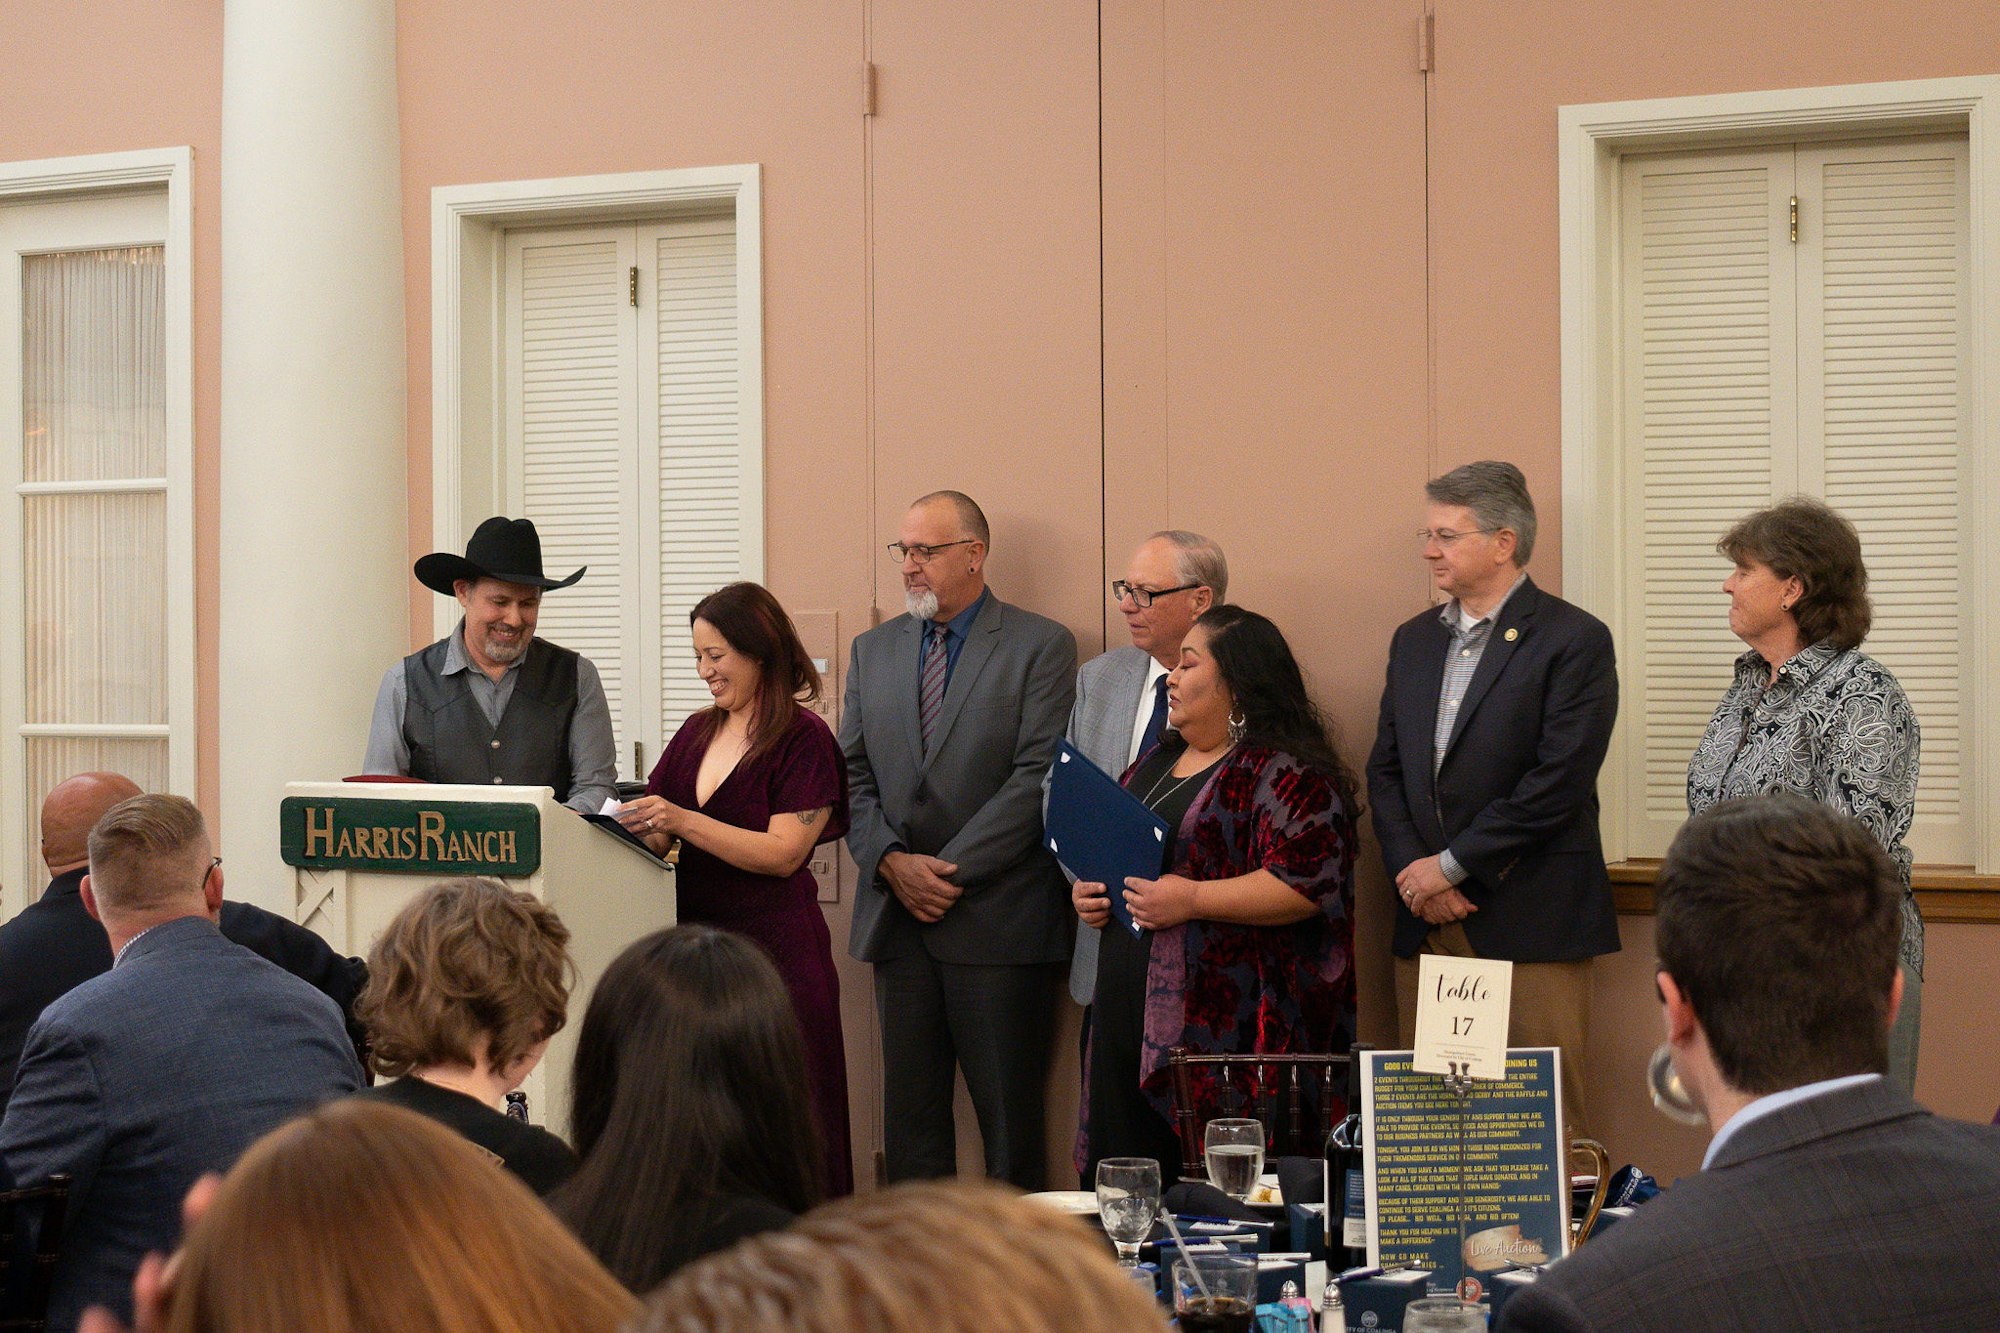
x: 1828, y: 1199
x: 54, y: 946
x: 1495, y: 718
x: 167, y: 1066
x: 951, y: 717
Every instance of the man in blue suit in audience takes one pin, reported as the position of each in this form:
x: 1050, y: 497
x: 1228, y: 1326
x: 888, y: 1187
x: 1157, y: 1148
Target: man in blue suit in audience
x: 54, y: 946
x: 167, y: 1066
x: 1828, y: 1199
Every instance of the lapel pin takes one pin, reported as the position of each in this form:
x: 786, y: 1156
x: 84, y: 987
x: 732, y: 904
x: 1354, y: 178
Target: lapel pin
x: 1511, y: 634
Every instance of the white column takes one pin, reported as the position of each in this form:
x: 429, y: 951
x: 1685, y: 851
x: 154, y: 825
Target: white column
x: 314, y: 544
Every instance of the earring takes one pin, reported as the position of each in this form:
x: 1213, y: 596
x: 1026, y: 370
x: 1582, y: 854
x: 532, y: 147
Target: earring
x: 1238, y: 724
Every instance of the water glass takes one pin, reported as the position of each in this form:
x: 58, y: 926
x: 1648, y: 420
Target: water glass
x: 1235, y: 1150
x: 1128, y: 1199
x: 1444, y: 1314
x: 1223, y: 1300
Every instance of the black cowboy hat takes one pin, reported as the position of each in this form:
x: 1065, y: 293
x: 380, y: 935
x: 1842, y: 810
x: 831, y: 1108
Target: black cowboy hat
x: 507, y: 549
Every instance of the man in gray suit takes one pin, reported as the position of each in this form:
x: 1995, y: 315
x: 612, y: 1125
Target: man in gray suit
x: 167, y: 1066
x: 1828, y: 1199
x: 1121, y: 695
x: 951, y: 716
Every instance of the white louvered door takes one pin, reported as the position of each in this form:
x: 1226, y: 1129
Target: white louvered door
x: 1756, y: 367
x: 623, y: 445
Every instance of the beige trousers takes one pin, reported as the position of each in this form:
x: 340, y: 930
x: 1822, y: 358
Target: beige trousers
x: 1550, y: 1007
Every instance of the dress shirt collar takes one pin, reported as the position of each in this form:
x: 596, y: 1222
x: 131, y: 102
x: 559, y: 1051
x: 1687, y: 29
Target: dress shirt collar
x: 960, y: 625
x: 456, y: 659
x: 1796, y: 670
x: 161, y: 932
x: 1451, y: 616
x: 1778, y: 1101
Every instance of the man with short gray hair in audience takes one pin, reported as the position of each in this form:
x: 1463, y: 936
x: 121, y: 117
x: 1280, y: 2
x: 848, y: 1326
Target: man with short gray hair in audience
x: 1827, y: 1198
x: 1495, y: 719
x: 1121, y: 695
x: 140, y: 1080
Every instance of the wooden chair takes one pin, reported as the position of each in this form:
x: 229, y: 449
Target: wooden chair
x: 1294, y: 1095
x: 31, y: 1225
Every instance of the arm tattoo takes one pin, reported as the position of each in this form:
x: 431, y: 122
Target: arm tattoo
x: 811, y: 817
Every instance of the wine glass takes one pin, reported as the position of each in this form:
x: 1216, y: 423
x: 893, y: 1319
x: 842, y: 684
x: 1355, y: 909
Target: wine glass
x: 1128, y: 1199
x: 1235, y: 1150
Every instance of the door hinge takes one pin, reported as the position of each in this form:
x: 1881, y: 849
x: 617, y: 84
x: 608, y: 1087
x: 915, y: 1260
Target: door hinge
x: 1795, y: 219
x: 867, y: 88
x: 632, y: 286
x: 638, y: 747
x: 1426, y: 43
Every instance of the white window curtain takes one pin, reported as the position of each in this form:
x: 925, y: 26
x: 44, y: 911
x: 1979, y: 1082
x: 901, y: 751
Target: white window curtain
x: 94, y: 503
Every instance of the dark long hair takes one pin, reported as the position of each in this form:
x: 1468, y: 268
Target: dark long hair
x: 1270, y: 692
x: 689, y: 1083
x: 755, y: 625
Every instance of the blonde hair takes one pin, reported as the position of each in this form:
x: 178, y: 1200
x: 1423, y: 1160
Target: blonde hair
x: 465, y: 959
x: 361, y: 1217
x: 939, y: 1256
x: 147, y: 852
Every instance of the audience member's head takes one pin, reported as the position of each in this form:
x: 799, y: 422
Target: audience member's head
x: 363, y: 1217
x: 1778, y: 926
x: 928, y: 1257
x: 689, y: 1084
x: 150, y: 862
x: 72, y: 807
x: 470, y: 974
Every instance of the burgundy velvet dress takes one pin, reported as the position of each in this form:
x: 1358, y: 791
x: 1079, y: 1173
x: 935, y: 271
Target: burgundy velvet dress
x: 803, y: 771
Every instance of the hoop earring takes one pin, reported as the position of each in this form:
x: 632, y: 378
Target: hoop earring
x: 1238, y: 725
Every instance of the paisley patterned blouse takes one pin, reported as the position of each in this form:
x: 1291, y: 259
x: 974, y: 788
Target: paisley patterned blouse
x: 1223, y: 988
x: 1834, y: 726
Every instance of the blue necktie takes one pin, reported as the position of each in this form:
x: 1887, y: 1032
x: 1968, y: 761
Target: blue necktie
x: 1158, y: 721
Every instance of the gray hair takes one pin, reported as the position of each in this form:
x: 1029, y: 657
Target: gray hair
x: 971, y: 518
x: 1497, y: 495
x: 1199, y: 560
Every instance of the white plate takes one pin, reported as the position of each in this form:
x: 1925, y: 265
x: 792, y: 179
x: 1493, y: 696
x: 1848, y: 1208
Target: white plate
x: 1083, y: 1202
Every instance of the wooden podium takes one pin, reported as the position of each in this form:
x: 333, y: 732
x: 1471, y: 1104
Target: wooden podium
x: 360, y: 850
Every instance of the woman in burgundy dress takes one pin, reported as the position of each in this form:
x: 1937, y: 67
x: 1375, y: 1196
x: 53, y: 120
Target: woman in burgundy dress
x: 750, y: 787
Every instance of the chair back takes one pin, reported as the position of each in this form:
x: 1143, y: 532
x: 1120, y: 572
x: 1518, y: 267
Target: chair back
x: 31, y: 1226
x: 1600, y: 1171
x: 1296, y: 1096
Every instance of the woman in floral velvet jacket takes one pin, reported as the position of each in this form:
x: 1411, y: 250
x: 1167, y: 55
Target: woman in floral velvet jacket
x: 1246, y: 943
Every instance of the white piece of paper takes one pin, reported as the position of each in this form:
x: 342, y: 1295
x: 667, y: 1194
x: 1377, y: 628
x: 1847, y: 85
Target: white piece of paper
x: 612, y: 805
x: 1462, y: 1011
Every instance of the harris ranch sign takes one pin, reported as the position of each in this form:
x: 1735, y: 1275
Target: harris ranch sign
x: 410, y: 837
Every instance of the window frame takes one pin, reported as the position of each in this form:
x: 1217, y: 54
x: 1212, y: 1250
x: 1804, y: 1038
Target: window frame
x: 1592, y: 139
x: 55, y: 180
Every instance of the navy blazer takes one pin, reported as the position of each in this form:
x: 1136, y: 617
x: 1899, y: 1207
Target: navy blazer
x: 1854, y: 1209
x: 56, y: 945
x: 975, y: 800
x: 138, y: 1081
x: 1516, y: 797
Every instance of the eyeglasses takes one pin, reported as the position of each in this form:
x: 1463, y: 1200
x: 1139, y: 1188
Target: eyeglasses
x: 922, y: 554
x: 213, y: 866
x: 1445, y: 536
x: 1145, y: 597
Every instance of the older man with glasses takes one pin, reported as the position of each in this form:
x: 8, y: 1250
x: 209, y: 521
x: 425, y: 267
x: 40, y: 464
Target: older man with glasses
x: 952, y: 714
x: 1121, y: 695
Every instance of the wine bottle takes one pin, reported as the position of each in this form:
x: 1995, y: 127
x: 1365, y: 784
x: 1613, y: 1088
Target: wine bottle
x: 1346, y: 1189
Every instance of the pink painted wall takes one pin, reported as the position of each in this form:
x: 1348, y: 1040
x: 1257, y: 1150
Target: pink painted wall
x: 106, y: 78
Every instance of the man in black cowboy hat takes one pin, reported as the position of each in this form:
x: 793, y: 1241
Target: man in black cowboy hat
x: 491, y: 703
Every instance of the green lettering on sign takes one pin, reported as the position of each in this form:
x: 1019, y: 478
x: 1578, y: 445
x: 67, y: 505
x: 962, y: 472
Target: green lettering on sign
x: 410, y: 837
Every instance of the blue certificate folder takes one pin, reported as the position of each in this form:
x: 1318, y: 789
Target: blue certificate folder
x: 1100, y: 831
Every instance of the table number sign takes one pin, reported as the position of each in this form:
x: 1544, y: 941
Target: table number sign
x: 1462, y: 1010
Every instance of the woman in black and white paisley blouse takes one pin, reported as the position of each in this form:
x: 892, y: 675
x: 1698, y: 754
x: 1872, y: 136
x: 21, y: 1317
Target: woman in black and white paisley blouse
x: 1808, y: 712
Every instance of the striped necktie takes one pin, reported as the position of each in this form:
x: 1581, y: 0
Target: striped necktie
x: 930, y: 697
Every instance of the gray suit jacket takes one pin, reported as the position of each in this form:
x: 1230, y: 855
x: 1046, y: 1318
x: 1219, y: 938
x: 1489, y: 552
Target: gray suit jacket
x: 1856, y: 1209
x: 975, y: 801
x: 139, y: 1080
x: 1107, y: 703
